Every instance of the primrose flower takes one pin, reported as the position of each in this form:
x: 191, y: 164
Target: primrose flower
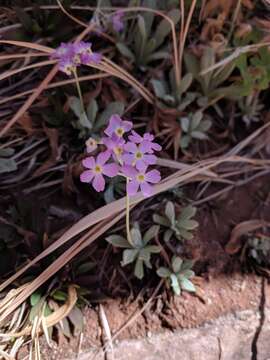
x: 118, y: 126
x: 117, y: 22
x: 140, y: 179
x: 146, y: 139
x: 96, y: 169
x: 91, y: 145
x: 137, y: 155
x: 84, y: 53
x: 115, y: 146
x: 66, y: 65
x: 65, y: 50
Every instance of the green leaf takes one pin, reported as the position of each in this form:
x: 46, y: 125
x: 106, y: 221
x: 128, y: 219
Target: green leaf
x: 7, y: 165
x: 184, y: 142
x: 125, y: 51
x: 150, y: 233
x: 170, y: 212
x: 85, y: 267
x: 187, y: 285
x: 185, y: 83
x: 159, y: 88
x: 116, y: 107
x: 185, y: 234
x: 152, y: 249
x: 76, y: 318
x: 192, y: 64
x: 199, y: 135
x: 163, y: 272
x: 176, y: 264
x: 84, y: 121
x: 164, y: 27
x: 185, y: 124
x: 136, y: 238
x: 129, y: 255
x: 75, y: 105
x: 175, y: 284
x: 205, y: 125
x: 196, y: 119
x: 187, y: 212
x: 188, y: 224
x: 59, y: 295
x: 92, y: 110
x: 7, y: 152
x: 139, y: 271
x: 161, y: 220
x: 167, y: 235
x: 118, y: 241
x: 35, y: 298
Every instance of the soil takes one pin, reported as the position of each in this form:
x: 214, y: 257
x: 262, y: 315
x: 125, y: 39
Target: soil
x: 221, y: 287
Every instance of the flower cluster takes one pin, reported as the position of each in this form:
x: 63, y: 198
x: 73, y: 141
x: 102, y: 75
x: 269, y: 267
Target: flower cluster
x: 129, y: 158
x: 71, y: 55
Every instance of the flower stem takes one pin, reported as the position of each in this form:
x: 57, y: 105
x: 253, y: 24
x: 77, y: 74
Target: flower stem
x: 127, y: 218
x: 79, y: 89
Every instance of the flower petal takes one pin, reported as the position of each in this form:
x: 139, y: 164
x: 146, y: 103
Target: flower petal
x: 98, y: 183
x: 147, y: 189
x: 135, y: 137
x: 153, y: 176
x: 127, y: 125
x: 150, y: 159
x: 132, y: 187
x: 114, y: 122
x: 110, y: 170
x: 129, y: 171
x: 86, y: 176
x: 128, y: 158
x: 103, y: 157
x: 89, y: 162
x: 131, y: 147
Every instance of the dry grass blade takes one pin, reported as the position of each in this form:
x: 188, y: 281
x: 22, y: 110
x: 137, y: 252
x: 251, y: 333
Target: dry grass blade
x: 30, y: 100
x: 28, y: 45
x: 56, y: 84
x: 241, y: 229
x: 21, y: 56
x: 117, y: 206
x: 32, y: 66
x: 51, y: 319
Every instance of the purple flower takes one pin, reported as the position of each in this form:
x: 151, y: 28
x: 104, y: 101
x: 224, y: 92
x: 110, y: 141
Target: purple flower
x: 63, y: 51
x: 118, y: 126
x: 91, y: 145
x: 137, y: 155
x: 115, y: 146
x: 93, y: 58
x: 146, y: 140
x: 117, y: 22
x: 98, y: 168
x: 66, y: 65
x: 141, y: 179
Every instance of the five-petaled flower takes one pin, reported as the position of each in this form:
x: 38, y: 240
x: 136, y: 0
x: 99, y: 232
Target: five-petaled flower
x: 140, y: 179
x: 131, y: 159
x: 118, y: 126
x: 138, y: 155
x: 146, y: 140
x: 71, y: 55
x: 96, y: 169
x: 115, y: 146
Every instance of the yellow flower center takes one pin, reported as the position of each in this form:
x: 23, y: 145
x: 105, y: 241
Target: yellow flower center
x: 138, y: 155
x: 120, y: 131
x: 140, y: 177
x: 118, y: 150
x: 98, y: 169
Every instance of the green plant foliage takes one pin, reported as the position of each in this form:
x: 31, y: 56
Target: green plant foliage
x: 180, y: 226
x: 90, y: 122
x: 139, y: 251
x: 194, y: 127
x: 179, y: 275
x: 7, y: 164
x: 143, y: 42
